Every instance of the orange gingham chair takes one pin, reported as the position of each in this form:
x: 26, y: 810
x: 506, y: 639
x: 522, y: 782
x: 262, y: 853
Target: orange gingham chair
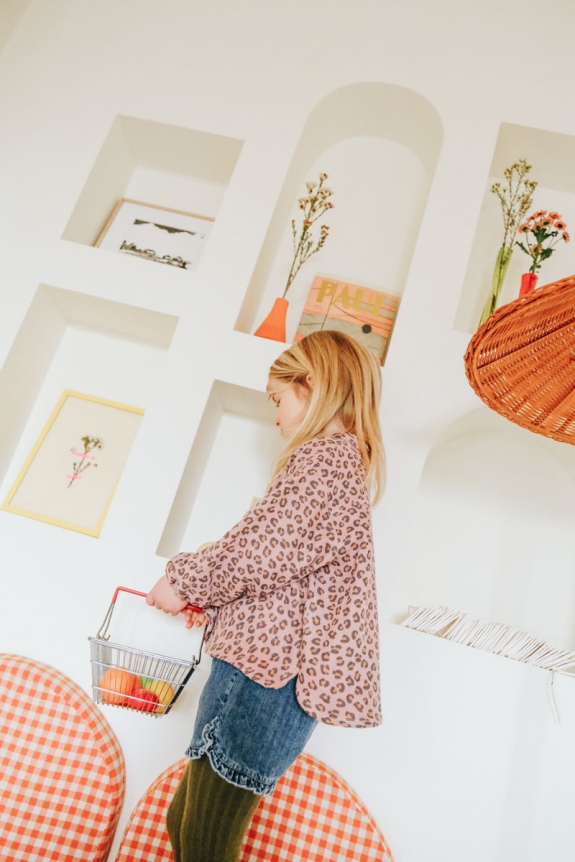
x: 313, y: 816
x: 61, y: 767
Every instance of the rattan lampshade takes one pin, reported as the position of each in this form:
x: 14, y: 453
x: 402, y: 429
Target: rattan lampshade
x: 521, y: 362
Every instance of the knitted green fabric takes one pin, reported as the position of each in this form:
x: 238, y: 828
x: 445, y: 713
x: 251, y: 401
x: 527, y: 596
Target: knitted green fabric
x: 208, y: 816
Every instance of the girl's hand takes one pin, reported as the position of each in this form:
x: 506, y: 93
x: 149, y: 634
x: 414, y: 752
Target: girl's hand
x: 163, y: 597
x: 194, y: 618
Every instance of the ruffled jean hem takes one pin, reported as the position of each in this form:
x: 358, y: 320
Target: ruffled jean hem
x: 228, y: 773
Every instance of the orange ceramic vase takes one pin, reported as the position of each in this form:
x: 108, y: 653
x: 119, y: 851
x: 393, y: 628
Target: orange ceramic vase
x: 528, y: 283
x: 274, y: 326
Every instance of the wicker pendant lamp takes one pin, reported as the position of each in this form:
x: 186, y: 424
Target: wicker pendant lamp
x: 521, y: 362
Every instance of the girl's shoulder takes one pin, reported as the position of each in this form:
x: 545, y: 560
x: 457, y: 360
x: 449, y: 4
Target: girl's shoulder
x: 326, y: 449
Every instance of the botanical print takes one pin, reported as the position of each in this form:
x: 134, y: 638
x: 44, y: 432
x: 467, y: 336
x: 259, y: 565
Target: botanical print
x: 60, y: 484
x: 86, y: 459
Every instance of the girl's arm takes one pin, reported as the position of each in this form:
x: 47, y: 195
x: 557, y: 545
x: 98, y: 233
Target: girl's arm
x: 287, y: 535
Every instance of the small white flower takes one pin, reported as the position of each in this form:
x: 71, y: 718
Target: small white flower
x: 310, y: 186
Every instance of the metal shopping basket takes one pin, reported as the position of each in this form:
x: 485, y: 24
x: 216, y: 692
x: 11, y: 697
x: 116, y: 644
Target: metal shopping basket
x: 133, y: 678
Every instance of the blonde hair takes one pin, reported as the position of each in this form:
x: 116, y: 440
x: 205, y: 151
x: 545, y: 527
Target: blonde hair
x: 345, y: 380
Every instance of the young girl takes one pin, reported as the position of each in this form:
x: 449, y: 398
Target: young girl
x: 289, y: 593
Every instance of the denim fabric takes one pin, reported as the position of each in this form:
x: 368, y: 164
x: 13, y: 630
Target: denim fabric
x: 250, y: 733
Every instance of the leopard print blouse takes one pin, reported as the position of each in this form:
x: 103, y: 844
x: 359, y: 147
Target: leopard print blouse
x: 290, y: 590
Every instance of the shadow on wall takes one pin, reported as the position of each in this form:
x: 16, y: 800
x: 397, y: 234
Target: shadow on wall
x: 492, y: 532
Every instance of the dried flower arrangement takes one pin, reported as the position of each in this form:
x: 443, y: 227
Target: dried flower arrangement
x: 516, y: 197
x: 314, y: 205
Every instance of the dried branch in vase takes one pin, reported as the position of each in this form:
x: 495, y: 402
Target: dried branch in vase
x: 314, y: 205
x: 515, y: 198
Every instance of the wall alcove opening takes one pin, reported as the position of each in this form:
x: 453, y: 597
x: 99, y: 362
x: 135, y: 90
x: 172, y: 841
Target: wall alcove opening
x: 552, y: 156
x: 229, y: 464
x: 71, y: 340
x: 379, y: 144
x: 12, y: 13
x: 492, y: 530
x: 156, y: 163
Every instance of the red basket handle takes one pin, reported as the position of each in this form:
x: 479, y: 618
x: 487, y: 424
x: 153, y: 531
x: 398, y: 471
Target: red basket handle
x: 103, y: 630
x: 138, y: 593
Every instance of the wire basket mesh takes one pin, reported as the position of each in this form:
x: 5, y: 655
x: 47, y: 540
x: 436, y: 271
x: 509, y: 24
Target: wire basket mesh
x: 134, y: 679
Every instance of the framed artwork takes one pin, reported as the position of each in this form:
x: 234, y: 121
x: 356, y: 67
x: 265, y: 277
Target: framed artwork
x: 70, y: 476
x: 366, y: 314
x: 167, y: 236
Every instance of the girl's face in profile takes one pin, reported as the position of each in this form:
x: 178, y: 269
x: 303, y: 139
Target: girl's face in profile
x: 291, y: 402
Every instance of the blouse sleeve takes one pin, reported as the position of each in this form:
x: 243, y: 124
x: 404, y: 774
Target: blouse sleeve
x: 288, y: 534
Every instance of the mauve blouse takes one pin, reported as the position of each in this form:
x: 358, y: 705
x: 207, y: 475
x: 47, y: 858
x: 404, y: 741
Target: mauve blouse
x: 290, y: 590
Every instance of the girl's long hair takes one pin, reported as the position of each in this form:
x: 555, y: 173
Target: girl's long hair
x: 345, y: 381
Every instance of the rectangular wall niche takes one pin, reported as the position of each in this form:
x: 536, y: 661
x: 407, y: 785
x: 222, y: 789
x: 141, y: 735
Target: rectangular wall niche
x: 69, y: 340
x: 552, y: 156
x: 229, y: 463
x: 168, y: 166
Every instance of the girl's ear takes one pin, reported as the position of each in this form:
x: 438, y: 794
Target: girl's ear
x: 309, y: 380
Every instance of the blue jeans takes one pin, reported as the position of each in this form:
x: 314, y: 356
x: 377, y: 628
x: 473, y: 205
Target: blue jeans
x: 251, y: 733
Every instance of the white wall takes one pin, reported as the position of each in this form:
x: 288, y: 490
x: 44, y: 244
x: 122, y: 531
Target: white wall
x: 469, y: 763
x: 492, y: 501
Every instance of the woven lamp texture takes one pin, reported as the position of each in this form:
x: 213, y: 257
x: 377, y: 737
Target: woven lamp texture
x: 521, y: 362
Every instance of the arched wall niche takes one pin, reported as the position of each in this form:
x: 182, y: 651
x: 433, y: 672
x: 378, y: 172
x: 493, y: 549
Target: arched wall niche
x: 552, y: 157
x: 492, y: 532
x: 355, y: 118
x: 12, y: 13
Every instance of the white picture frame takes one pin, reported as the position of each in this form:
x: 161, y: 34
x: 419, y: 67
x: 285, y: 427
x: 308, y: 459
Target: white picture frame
x: 159, y: 234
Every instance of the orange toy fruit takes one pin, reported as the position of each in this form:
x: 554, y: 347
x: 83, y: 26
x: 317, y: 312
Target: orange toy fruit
x: 117, y: 684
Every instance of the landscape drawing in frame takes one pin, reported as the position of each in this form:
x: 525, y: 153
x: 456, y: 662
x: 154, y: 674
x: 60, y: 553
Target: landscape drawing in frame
x: 71, y: 474
x: 159, y: 234
x: 361, y: 312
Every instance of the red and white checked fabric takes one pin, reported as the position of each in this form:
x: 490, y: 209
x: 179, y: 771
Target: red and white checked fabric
x: 313, y: 816
x: 61, y: 767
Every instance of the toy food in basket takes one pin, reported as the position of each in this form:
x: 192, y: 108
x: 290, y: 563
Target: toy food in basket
x: 133, y: 678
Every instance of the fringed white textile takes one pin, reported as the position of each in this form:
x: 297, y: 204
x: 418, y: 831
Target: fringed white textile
x: 492, y: 637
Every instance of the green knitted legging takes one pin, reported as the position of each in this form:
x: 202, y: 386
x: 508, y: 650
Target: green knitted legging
x: 208, y: 817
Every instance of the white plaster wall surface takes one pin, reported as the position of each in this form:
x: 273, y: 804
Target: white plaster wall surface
x: 468, y: 764
x: 230, y: 482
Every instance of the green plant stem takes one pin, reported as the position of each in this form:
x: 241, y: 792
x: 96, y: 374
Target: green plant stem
x: 501, y: 265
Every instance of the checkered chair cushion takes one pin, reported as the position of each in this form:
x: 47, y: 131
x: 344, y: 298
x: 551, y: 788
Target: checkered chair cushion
x: 61, y: 767
x: 313, y: 816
